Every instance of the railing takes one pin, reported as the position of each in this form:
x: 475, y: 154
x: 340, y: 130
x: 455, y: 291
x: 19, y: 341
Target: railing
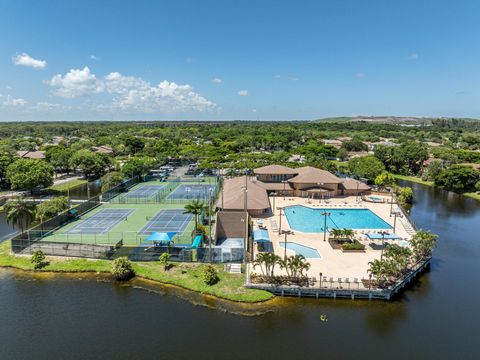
x: 329, y: 287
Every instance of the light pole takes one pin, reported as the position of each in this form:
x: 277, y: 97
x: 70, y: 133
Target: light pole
x: 280, y: 215
x: 325, y: 214
x: 383, y: 233
x: 245, y: 232
x: 391, y: 203
x: 395, y: 220
x: 284, y: 188
x: 273, y: 195
x: 356, y: 197
x: 210, y: 224
x: 285, y: 232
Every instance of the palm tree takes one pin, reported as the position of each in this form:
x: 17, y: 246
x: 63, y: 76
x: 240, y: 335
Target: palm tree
x: 195, y: 207
x: 348, y: 234
x: 267, y: 262
x: 295, y: 266
x: 19, y: 212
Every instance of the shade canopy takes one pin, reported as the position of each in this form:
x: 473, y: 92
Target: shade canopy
x: 161, y: 236
x: 261, y: 235
x: 375, y: 236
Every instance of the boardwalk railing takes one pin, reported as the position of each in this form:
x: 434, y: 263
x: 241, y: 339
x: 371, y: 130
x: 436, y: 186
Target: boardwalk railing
x: 340, y: 288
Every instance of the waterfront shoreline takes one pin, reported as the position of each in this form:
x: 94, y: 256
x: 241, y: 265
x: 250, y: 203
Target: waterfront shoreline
x: 229, y: 288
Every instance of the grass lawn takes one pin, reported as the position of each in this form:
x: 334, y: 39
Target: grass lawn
x: 68, y: 185
x: 473, y: 195
x: 413, y: 179
x: 185, y: 275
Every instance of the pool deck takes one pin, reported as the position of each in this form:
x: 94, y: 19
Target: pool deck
x: 333, y: 263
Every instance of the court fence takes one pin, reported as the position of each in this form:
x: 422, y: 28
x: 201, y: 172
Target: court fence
x: 38, y: 232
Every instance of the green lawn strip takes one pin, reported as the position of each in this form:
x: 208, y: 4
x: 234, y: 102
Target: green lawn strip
x: 68, y: 185
x: 188, y: 276
x: 413, y: 179
x: 473, y: 195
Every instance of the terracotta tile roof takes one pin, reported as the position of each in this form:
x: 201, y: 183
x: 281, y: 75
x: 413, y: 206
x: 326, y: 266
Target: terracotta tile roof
x: 311, y: 175
x: 351, y: 184
x: 233, y: 199
x: 275, y: 170
x: 31, y: 154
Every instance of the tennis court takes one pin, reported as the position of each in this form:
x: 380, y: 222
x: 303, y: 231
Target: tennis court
x: 145, y: 192
x: 101, y: 222
x: 167, y: 220
x: 194, y: 191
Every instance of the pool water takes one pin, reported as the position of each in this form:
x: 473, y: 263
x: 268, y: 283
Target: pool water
x: 308, y: 220
x: 307, y: 252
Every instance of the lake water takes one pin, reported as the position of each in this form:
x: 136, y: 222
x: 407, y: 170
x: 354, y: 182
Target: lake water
x: 68, y: 318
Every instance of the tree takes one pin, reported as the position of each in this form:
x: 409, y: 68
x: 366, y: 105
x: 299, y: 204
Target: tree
x: 398, y: 259
x: 377, y: 268
x: 164, y: 259
x: 38, y: 260
x: 267, y: 262
x: 19, y: 213
x: 423, y: 243
x: 385, y: 179
x: 210, y: 275
x: 6, y: 158
x: 91, y: 164
x: 355, y: 145
x: 404, y: 195
x: 342, y: 154
x: 122, y: 269
x: 111, y: 179
x: 59, y: 156
x: 27, y: 174
x: 138, y: 166
x: 195, y: 207
x: 51, y: 208
x: 294, y: 266
x: 458, y: 178
x: 368, y: 167
x: 432, y: 170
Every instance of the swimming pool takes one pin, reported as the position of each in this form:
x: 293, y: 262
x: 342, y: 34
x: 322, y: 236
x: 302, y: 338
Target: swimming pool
x: 307, y: 252
x: 308, y: 220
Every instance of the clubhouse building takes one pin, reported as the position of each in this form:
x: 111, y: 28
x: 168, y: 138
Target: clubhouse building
x: 278, y: 180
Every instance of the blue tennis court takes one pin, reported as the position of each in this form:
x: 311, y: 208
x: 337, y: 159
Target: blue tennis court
x: 101, y: 222
x: 194, y: 191
x: 145, y: 192
x: 167, y: 220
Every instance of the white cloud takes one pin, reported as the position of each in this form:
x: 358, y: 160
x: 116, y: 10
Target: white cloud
x: 130, y: 93
x: 277, y: 76
x: 360, y: 75
x: 26, y: 60
x: 49, y: 107
x: 75, y: 83
x: 243, y: 92
x: 14, y: 102
x: 217, y: 80
x: 254, y: 110
x: 93, y: 57
x: 292, y: 78
x: 413, y: 56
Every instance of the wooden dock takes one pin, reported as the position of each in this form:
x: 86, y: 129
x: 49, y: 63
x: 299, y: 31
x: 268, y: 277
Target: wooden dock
x: 349, y: 293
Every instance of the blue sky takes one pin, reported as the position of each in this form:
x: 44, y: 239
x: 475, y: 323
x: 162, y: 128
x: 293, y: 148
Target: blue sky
x: 269, y: 60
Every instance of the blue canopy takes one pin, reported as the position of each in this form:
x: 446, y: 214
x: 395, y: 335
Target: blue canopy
x: 261, y: 235
x: 375, y: 236
x: 161, y: 236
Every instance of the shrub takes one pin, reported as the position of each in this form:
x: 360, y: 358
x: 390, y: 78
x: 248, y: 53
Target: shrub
x: 164, y: 260
x: 38, y: 260
x: 356, y: 245
x: 122, y: 269
x: 210, y: 275
x: 405, y: 195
